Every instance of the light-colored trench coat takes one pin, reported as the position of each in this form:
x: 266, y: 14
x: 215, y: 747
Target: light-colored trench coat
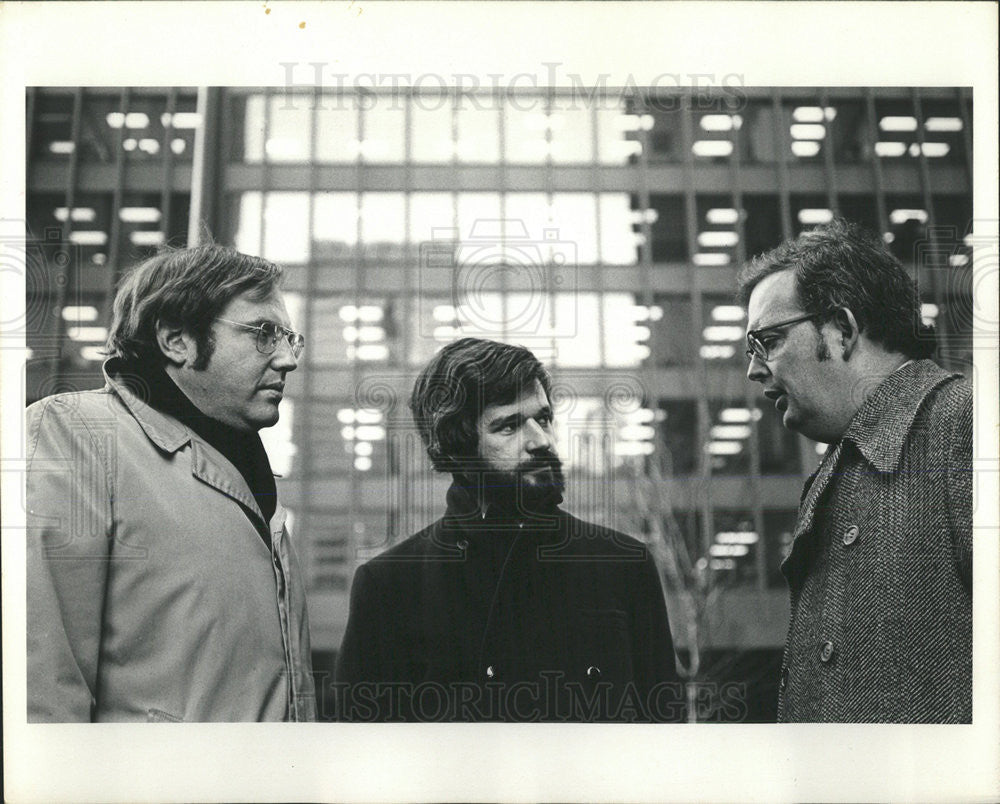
x: 151, y: 594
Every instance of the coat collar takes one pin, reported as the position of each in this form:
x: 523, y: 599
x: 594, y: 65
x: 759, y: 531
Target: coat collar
x: 879, y: 430
x: 207, y: 463
x: 466, y: 515
x: 882, y: 425
x: 165, y: 431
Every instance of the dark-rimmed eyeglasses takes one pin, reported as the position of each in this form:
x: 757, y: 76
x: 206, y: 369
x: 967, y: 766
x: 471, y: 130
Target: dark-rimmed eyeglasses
x: 268, y: 335
x: 757, y: 348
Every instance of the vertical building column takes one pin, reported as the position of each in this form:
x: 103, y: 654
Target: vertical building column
x: 206, y: 201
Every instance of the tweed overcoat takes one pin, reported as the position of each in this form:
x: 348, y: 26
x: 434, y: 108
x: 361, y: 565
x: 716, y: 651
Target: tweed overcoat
x: 492, y: 619
x: 880, y: 568
x: 151, y: 595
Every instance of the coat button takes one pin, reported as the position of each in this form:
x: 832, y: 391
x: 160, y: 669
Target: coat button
x: 462, y: 544
x: 784, y: 679
x: 851, y: 535
x: 593, y: 671
x: 490, y: 672
x: 826, y: 652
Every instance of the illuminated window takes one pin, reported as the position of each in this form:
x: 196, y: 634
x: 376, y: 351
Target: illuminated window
x: 248, y: 232
x: 627, y: 330
x: 574, y: 215
x: 478, y: 131
x: 431, y: 215
x: 526, y: 126
x: 618, y: 238
x: 286, y: 227
x: 431, y: 121
x: 337, y: 130
x: 478, y: 224
x: 383, y: 229
x: 384, y: 120
x: 335, y: 225
x: 289, y: 133
x: 617, y: 142
x: 571, y: 130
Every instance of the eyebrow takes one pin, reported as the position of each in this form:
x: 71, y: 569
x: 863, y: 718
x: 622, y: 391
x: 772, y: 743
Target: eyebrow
x: 516, y: 418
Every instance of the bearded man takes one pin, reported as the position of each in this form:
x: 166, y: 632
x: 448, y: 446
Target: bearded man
x: 507, y: 608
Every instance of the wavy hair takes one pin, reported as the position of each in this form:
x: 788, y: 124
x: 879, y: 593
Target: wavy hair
x: 187, y: 288
x: 453, y: 389
x: 841, y: 264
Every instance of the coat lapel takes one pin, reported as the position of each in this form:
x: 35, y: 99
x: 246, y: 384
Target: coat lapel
x: 802, y: 539
x: 210, y: 467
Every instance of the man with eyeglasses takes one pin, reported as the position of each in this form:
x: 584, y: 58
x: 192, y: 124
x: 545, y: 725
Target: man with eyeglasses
x: 162, y: 583
x: 880, y: 567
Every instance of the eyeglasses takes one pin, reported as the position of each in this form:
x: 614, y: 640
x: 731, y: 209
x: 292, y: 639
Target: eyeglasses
x: 758, y: 348
x: 268, y: 335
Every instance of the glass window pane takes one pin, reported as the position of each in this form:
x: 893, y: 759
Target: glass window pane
x: 733, y: 554
x: 672, y: 339
x: 428, y: 212
x: 337, y: 130
x: 478, y: 217
x: 759, y: 133
x: 247, y: 237
x: 433, y: 322
x: 383, y: 223
x: 571, y: 125
x: 723, y: 324
x: 582, y: 427
x: 335, y: 225
x: 431, y: 119
x: 478, y: 131
x: 618, y: 238
x: 289, y: 134
x: 525, y: 125
x: 253, y: 129
x: 575, y: 216
x: 576, y: 340
x: 626, y: 331
x: 678, y: 437
x: 286, y: 227
x: 668, y: 228
x: 384, y: 128
x: 616, y: 143
x: 527, y: 214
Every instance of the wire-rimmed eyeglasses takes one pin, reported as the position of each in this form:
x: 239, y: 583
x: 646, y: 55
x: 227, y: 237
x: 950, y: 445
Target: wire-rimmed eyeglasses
x: 268, y: 335
x: 756, y: 347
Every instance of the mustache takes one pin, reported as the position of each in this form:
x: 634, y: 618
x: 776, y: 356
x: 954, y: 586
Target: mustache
x: 547, y: 460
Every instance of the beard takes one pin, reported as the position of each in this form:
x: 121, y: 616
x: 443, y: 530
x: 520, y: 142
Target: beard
x: 534, y: 487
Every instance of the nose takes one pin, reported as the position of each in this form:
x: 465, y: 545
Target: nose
x: 537, y: 438
x: 757, y: 371
x: 282, y: 358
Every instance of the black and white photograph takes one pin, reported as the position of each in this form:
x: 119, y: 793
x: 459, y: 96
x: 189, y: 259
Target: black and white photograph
x: 571, y: 424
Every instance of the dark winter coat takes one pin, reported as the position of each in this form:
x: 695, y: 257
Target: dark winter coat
x: 502, y: 619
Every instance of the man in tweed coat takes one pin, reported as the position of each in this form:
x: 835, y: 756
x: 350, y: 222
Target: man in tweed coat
x: 880, y: 567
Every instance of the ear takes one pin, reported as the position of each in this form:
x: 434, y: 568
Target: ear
x: 849, y: 330
x: 177, y: 345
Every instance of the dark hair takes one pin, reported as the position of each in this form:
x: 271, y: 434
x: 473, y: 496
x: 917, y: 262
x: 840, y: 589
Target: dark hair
x: 452, y: 391
x: 841, y: 264
x: 183, y: 287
